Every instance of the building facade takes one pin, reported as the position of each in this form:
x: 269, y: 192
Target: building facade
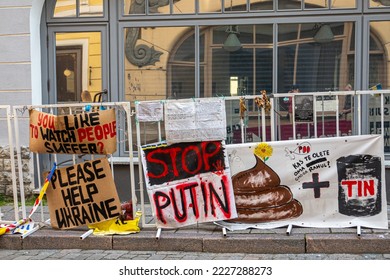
x: 138, y: 50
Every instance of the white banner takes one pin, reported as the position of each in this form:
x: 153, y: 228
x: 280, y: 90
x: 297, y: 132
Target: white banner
x: 325, y: 182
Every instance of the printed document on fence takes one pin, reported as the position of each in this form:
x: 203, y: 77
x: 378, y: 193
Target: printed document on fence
x: 195, y: 120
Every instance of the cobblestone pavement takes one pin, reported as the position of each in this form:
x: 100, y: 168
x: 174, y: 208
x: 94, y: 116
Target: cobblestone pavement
x: 78, y: 254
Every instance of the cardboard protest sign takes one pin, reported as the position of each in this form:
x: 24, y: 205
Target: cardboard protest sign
x: 82, y: 194
x: 188, y: 183
x: 324, y: 182
x: 86, y: 133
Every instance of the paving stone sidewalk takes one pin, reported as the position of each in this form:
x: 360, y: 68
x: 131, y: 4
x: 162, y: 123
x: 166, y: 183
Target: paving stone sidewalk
x: 204, y: 241
x: 78, y: 254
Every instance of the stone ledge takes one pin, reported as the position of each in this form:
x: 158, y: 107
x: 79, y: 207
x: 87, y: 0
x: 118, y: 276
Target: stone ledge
x: 255, y: 244
x: 167, y: 242
x: 203, y: 241
x: 348, y: 243
x: 61, y: 239
x: 11, y: 242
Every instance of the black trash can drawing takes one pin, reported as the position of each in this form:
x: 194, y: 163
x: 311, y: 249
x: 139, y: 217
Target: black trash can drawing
x: 360, y: 185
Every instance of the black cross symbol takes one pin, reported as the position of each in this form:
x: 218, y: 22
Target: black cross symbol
x: 316, y: 185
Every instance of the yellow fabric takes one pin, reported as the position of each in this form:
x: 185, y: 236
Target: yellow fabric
x: 3, y: 231
x: 116, y: 226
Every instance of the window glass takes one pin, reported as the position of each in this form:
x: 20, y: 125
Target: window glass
x: 91, y: 8
x: 241, y: 71
x: 185, y: 52
x: 235, y: 6
x: 245, y: 34
x: 379, y: 3
x: 263, y: 68
x: 210, y: 6
x: 261, y: 5
x: 183, y: 82
x: 65, y: 8
x: 78, y: 65
x: 150, y: 53
x: 287, y: 32
x: 336, y: 4
x: 134, y: 7
x: 182, y: 74
x: 233, y: 68
x: 289, y: 4
x: 157, y: 7
x: 85, y: 8
x: 232, y: 72
x: 184, y: 7
x: 154, y: 7
x: 264, y: 34
x: 202, y: 51
x: 315, y: 60
x: 310, y: 57
x: 220, y: 34
x: 324, y: 4
x: 378, y: 44
x: 316, y: 4
x: 378, y: 67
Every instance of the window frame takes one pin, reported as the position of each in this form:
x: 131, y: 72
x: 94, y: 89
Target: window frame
x: 238, y: 14
x: 115, y: 21
x: 366, y: 64
x: 52, y: 31
x: 374, y: 10
x: 50, y: 6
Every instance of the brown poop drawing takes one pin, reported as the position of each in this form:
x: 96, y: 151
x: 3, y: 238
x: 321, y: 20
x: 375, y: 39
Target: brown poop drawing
x: 260, y: 197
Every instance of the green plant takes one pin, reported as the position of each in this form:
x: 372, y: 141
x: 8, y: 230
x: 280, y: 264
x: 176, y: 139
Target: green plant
x: 30, y: 200
x: 4, y: 200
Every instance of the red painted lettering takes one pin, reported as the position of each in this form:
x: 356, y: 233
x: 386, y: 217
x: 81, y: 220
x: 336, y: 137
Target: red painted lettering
x: 369, y: 187
x: 208, y: 151
x: 46, y: 121
x: 362, y: 188
x: 159, y: 165
x: 161, y: 201
x: 186, y: 159
x: 192, y: 201
x: 180, y: 217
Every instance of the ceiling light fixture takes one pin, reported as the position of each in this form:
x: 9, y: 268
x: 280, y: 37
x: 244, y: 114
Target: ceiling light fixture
x: 324, y: 34
x: 232, y: 43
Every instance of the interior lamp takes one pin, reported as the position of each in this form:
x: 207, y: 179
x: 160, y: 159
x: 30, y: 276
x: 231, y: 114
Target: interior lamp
x: 232, y: 43
x: 324, y: 34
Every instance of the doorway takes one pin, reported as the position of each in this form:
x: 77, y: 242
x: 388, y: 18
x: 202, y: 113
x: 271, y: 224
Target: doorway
x: 68, y: 73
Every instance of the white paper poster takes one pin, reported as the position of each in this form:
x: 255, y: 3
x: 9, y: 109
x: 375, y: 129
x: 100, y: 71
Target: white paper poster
x: 195, y: 120
x: 149, y: 111
x: 325, y: 182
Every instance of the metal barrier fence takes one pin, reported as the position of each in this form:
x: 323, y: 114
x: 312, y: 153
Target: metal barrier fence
x: 5, y: 116
x: 254, y: 124
x: 20, y: 114
x: 272, y: 125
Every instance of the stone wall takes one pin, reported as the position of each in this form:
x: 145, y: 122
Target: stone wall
x: 6, y: 188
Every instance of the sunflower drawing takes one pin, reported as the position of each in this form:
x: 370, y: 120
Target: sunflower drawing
x: 263, y: 151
